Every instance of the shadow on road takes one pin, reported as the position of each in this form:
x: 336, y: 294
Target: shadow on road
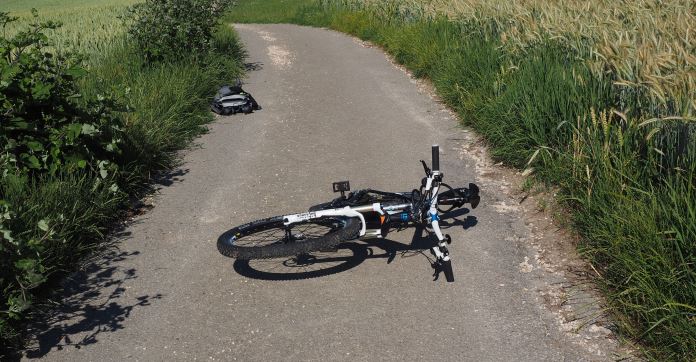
x: 253, y: 66
x: 90, y: 302
x: 349, y: 254
x: 90, y: 306
x: 171, y: 177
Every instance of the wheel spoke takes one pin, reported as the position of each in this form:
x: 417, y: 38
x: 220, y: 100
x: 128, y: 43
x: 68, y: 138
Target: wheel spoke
x: 303, y: 265
x: 278, y: 233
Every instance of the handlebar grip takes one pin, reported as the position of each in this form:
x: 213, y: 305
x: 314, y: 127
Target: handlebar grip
x: 447, y: 269
x: 436, y: 158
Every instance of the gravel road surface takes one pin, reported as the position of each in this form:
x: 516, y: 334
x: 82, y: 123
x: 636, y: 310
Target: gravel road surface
x: 333, y: 109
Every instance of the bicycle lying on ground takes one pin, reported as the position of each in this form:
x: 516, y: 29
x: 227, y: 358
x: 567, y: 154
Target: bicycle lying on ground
x: 363, y: 214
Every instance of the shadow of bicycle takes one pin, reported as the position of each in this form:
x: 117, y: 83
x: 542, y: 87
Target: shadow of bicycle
x: 350, y: 254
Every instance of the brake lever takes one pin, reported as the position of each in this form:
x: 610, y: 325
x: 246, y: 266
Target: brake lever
x: 425, y: 167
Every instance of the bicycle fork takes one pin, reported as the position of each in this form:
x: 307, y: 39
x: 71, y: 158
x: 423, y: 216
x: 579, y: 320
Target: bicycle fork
x: 443, y: 262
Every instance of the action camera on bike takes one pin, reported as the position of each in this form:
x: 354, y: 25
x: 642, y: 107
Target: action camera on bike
x: 342, y: 187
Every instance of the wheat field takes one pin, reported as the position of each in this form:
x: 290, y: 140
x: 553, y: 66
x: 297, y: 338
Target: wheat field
x: 646, y: 47
x: 88, y: 26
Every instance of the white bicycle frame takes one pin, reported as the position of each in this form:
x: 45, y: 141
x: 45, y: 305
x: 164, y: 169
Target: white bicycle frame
x: 432, y: 187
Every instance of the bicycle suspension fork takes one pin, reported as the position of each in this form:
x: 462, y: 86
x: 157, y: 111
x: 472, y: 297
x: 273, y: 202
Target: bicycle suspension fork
x: 442, y: 262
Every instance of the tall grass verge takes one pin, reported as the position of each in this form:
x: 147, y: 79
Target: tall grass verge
x: 628, y: 179
x: 166, y: 104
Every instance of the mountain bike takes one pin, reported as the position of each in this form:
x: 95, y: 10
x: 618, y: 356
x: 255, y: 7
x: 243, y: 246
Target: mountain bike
x: 362, y: 214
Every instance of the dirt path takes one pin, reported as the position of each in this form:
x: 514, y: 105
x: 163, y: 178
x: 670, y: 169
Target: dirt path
x: 333, y: 109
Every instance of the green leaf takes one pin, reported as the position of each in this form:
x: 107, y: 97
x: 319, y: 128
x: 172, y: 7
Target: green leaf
x: 74, y: 130
x: 41, y: 90
x: 34, y: 279
x: 35, y: 146
x: 103, y: 172
x: 7, y: 235
x: 25, y: 264
x: 43, y: 225
x: 88, y: 129
x: 31, y: 161
x: 17, y: 304
x: 76, y: 72
x: 8, y: 73
x: 19, y: 123
x: 36, y: 245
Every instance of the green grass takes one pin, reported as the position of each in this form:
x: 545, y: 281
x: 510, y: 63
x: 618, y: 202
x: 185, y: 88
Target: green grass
x: 169, y: 103
x: 263, y: 11
x: 629, y: 182
x: 164, y: 106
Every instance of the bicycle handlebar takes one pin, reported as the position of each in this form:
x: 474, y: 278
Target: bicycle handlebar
x: 436, y: 157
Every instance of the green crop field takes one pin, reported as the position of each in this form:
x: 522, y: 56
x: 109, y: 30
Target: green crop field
x: 647, y: 45
x: 88, y: 26
x: 19, y: 6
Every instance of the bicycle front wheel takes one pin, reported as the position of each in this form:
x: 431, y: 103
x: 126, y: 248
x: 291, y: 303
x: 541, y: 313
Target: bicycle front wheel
x: 270, y: 238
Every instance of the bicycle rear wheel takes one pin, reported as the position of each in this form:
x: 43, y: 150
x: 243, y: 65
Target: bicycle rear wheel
x: 270, y: 238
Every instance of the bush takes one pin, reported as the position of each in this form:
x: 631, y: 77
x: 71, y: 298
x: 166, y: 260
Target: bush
x: 165, y: 29
x: 47, y: 130
x: 46, y: 126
